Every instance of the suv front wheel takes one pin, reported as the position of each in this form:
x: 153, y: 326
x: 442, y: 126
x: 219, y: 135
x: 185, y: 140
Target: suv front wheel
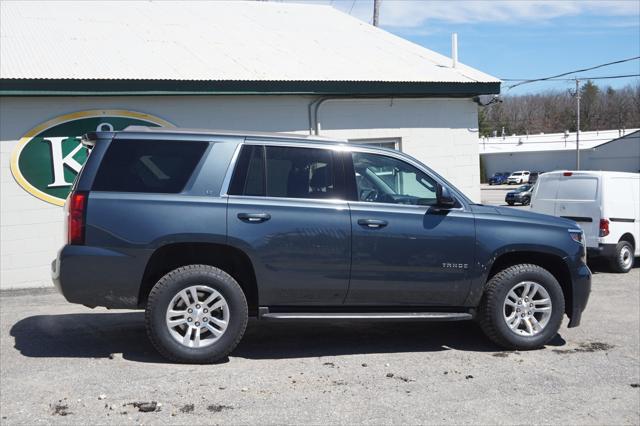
x: 196, y: 314
x: 522, y: 307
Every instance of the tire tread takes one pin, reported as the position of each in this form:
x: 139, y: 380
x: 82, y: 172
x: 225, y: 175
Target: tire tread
x: 490, y: 301
x: 164, y: 282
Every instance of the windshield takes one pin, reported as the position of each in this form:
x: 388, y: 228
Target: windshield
x: 523, y: 188
x: 517, y: 174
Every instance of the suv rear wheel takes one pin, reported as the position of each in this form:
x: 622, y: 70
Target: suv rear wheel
x: 522, y: 307
x: 623, y: 260
x: 196, y: 314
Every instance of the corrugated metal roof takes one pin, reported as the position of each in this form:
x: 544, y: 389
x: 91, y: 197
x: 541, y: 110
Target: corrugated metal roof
x: 552, y: 141
x: 215, y: 41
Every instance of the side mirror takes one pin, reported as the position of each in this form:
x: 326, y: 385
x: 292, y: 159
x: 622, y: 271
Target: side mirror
x: 444, y: 197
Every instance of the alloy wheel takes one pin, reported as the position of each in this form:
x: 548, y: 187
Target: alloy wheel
x: 197, y: 316
x: 527, y: 308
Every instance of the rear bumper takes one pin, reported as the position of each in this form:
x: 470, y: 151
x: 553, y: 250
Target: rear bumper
x: 94, y: 276
x: 581, y: 281
x: 603, y: 250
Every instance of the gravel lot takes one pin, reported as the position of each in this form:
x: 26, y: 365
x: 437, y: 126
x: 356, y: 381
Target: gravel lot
x: 62, y: 363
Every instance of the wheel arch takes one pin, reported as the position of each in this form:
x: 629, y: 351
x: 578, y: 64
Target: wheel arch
x: 628, y: 237
x: 549, y: 261
x: 174, y: 255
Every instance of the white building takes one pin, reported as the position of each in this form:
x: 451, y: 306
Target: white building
x: 71, y: 67
x: 614, y: 150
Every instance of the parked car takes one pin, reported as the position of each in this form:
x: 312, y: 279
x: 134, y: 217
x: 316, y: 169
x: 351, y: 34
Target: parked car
x: 533, y: 177
x: 606, y: 205
x: 519, y: 177
x: 499, y: 178
x: 204, y: 229
x: 522, y: 195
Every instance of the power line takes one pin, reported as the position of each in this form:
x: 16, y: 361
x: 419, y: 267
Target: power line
x: 571, y: 72
x: 580, y: 78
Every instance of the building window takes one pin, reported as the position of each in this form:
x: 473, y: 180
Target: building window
x: 391, y: 143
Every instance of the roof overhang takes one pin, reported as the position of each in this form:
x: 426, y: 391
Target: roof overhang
x: 113, y: 87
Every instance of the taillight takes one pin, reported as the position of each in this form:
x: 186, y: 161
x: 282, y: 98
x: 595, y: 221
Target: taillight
x: 77, y: 211
x: 604, y: 227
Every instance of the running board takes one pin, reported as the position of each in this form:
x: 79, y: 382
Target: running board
x: 424, y: 316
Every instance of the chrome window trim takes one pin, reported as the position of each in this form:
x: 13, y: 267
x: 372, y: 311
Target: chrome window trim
x: 409, y: 206
x: 288, y: 199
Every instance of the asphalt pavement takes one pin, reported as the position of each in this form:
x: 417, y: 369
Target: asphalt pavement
x: 494, y: 195
x: 67, y: 364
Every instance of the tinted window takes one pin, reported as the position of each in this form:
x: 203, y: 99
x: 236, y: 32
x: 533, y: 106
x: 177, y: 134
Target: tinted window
x: 285, y: 172
x: 385, y: 179
x: 148, y: 166
x: 300, y: 173
x: 248, y: 176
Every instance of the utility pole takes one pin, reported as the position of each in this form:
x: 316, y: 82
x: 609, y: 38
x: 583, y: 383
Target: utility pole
x: 577, y: 124
x: 376, y: 11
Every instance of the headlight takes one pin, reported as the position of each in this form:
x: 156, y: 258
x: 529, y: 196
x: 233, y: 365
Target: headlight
x: 577, y: 235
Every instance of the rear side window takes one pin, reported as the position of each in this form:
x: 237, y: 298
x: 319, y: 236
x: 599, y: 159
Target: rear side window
x: 287, y: 172
x: 148, y: 166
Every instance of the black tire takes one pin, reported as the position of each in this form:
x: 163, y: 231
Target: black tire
x: 526, y: 201
x: 510, y: 203
x: 620, y: 263
x: 491, y: 309
x: 168, y: 287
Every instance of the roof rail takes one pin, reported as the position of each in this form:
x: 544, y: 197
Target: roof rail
x: 145, y: 129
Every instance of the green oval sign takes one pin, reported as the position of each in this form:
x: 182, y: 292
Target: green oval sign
x: 49, y: 157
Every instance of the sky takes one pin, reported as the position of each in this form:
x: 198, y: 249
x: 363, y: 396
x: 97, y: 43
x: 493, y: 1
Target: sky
x: 519, y: 39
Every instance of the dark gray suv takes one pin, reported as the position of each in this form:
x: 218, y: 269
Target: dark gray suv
x: 204, y: 229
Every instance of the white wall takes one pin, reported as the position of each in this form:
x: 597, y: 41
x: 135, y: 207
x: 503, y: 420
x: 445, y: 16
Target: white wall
x: 442, y: 133
x: 533, y: 161
x: 621, y: 155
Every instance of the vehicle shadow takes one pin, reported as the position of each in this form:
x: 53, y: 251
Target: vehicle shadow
x: 599, y: 265
x: 103, y: 335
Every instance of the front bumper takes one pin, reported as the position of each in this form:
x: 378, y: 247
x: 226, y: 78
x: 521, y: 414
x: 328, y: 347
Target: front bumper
x: 94, y: 276
x: 581, y: 282
x: 514, y: 199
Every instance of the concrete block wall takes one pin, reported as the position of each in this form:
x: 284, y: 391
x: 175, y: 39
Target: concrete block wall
x: 442, y: 133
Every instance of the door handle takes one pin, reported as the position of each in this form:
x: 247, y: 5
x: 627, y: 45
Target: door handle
x: 254, y: 217
x: 373, y: 223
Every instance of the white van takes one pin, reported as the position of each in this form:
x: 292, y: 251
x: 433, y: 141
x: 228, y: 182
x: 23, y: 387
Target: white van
x: 519, y: 177
x: 606, y: 205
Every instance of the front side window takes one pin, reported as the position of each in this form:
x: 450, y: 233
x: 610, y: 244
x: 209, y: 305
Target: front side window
x: 288, y: 172
x: 382, y: 179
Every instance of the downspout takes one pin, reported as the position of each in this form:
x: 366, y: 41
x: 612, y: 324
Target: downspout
x: 314, y: 123
x: 315, y: 126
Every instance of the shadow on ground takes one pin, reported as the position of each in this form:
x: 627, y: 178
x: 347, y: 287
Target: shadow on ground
x: 98, y: 335
x: 600, y: 265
